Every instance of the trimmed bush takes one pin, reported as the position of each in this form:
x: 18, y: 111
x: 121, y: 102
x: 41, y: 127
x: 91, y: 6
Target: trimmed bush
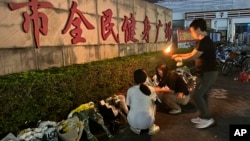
x: 26, y: 98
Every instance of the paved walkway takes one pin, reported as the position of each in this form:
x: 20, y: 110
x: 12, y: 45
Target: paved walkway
x: 229, y: 104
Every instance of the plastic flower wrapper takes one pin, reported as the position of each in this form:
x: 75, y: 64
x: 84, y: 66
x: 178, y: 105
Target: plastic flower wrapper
x: 46, y: 131
x: 30, y: 134
x: 70, y: 129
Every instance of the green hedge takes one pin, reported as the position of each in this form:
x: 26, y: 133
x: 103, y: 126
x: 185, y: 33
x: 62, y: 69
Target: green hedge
x: 26, y: 98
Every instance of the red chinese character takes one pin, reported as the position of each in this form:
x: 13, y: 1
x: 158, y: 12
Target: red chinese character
x: 168, y: 31
x: 129, y: 28
x: 76, y: 22
x: 38, y: 19
x: 107, y: 26
x: 157, y: 31
x: 147, y: 27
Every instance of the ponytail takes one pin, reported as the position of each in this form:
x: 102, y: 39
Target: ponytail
x: 140, y: 76
x: 145, y: 89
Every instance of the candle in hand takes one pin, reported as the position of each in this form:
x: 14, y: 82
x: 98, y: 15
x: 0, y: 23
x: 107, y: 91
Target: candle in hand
x: 168, y: 51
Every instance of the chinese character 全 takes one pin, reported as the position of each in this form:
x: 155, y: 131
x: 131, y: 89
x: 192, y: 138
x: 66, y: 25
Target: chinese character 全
x: 76, y: 22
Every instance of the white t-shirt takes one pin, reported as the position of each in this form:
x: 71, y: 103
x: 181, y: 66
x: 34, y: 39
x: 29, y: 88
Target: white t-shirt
x: 142, y: 107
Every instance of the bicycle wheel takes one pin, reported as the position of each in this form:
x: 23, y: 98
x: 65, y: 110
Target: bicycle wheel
x: 227, y: 66
x: 219, y: 63
x: 245, y: 66
x: 190, y: 80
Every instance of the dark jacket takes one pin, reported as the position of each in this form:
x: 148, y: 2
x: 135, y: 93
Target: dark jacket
x: 175, y: 82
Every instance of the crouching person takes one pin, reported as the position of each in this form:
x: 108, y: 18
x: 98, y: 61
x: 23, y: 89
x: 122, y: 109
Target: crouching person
x: 171, y: 89
x: 141, y: 102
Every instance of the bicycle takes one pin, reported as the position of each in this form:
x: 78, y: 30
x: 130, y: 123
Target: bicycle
x: 186, y: 75
x: 222, y: 53
x: 236, y: 62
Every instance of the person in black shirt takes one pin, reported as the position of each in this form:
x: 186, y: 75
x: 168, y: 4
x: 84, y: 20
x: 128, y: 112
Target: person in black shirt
x: 205, y: 64
x: 171, y: 88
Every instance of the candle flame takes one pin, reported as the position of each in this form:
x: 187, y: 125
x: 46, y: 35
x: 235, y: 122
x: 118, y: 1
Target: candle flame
x: 167, y: 50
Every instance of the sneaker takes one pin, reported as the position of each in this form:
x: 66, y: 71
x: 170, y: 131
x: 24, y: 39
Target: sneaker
x: 196, y: 120
x: 153, y: 129
x: 173, y: 112
x: 205, y: 123
x: 135, y: 130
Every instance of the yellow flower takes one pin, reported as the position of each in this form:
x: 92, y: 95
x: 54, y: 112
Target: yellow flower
x: 83, y: 107
x: 65, y: 128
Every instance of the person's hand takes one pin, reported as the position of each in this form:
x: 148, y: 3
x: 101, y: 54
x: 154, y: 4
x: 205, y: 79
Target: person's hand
x: 174, y: 56
x: 181, y: 95
x: 164, y: 89
x: 178, y: 59
x: 157, y: 89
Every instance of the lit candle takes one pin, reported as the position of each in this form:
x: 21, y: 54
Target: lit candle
x: 168, y: 50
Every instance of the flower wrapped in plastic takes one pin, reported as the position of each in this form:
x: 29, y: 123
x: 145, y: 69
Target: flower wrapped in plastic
x: 70, y: 129
x: 85, y: 112
x: 46, y: 131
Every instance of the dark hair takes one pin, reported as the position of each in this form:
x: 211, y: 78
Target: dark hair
x: 165, y: 71
x: 140, y: 76
x: 199, y: 23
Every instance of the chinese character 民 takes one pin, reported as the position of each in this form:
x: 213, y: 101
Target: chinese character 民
x: 37, y: 18
x: 147, y: 28
x: 76, y: 22
x: 107, y: 26
x: 129, y: 28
